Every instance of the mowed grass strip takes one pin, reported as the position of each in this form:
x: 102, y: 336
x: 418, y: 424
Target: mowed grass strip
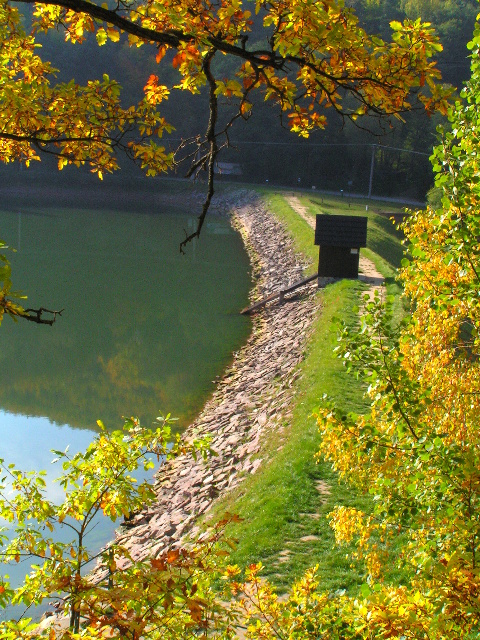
x: 299, y: 230
x: 384, y: 239
x: 284, y: 505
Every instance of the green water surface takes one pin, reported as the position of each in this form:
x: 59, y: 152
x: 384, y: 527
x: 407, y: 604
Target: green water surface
x: 144, y: 330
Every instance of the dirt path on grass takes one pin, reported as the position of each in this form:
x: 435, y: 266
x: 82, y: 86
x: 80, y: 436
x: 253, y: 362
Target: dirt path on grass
x: 368, y: 272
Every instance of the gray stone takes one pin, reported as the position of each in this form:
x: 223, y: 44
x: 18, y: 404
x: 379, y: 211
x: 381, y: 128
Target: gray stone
x: 254, y: 394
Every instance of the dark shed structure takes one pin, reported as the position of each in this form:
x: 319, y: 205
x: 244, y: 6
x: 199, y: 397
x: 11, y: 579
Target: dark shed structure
x: 340, y: 239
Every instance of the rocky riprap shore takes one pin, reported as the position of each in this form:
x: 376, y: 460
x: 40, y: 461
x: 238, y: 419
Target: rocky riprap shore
x: 251, y: 399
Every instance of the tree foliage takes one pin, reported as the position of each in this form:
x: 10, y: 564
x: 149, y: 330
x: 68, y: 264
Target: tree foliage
x: 313, y: 55
x: 417, y: 451
x: 175, y: 594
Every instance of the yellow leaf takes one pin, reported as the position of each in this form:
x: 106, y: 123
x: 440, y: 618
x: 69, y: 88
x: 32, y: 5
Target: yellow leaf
x: 101, y: 36
x: 113, y: 34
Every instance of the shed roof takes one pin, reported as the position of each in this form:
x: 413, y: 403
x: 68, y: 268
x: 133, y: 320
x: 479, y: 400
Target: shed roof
x: 341, y: 231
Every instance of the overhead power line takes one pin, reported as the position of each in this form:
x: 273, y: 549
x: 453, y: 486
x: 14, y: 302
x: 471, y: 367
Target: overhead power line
x: 257, y: 143
x: 329, y: 144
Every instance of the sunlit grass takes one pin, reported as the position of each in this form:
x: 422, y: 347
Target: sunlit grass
x: 285, y: 522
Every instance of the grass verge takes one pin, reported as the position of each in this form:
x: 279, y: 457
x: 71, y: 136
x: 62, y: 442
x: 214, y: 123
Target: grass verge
x: 384, y: 240
x: 300, y: 232
x: 284, y: 506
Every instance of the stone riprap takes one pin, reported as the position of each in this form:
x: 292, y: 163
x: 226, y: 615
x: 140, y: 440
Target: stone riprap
x: 251, y: 399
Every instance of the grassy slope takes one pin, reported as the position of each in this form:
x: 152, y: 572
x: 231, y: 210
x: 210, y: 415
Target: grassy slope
x: 285, y: 524
x: 384, y: 240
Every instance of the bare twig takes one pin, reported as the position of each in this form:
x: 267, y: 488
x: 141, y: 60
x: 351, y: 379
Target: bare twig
x: 35, y: 315
x: 212, y: 150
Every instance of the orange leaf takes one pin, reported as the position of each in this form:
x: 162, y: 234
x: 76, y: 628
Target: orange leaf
x: 161, y: 52
x: 173, y: 555
x: 158, y: 564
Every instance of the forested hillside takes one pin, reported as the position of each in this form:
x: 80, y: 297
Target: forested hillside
x: 337, y: 158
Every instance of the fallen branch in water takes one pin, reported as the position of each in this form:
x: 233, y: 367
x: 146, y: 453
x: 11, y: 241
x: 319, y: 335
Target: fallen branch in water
x: 35, y: 315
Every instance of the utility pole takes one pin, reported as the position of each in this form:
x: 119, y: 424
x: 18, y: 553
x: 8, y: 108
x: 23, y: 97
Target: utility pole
x: 372, y: 162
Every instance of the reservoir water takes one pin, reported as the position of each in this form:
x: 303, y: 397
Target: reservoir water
x: 144, y: 331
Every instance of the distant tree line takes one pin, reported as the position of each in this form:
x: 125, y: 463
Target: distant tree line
x: 338, y: 158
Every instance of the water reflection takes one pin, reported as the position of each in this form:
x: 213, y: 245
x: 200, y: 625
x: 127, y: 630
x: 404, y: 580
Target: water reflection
x: 144, y: 328
x: 26, y: 441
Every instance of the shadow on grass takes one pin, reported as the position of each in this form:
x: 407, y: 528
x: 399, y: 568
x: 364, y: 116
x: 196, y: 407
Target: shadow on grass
x: 387, y: 248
